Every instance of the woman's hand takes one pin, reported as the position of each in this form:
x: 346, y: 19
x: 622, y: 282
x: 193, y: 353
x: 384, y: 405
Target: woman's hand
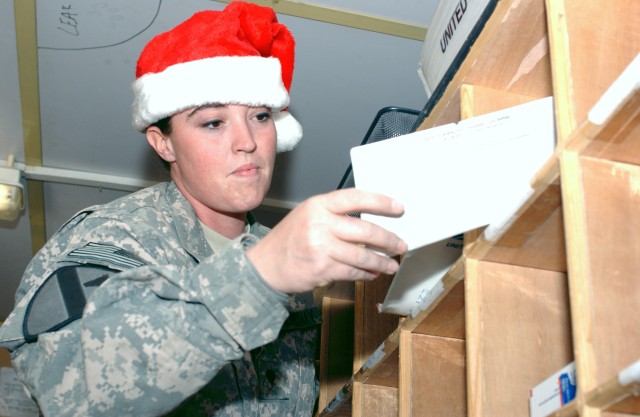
x: 318, y: 243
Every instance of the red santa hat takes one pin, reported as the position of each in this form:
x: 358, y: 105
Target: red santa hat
x: 240, y: 55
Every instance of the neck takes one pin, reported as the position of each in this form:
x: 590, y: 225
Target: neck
x: 229, y: 225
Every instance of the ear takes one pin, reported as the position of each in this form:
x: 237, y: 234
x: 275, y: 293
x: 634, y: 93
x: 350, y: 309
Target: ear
x: 161, y: 144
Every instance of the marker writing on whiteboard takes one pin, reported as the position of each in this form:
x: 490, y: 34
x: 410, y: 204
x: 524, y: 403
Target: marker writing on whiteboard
x: 68, y: 21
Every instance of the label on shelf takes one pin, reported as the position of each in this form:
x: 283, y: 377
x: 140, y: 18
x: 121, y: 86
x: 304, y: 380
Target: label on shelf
x: 554, y: 392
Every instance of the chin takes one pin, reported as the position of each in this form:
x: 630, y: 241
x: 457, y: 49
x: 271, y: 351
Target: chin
x: 249, y: 205
x: 247, y: 199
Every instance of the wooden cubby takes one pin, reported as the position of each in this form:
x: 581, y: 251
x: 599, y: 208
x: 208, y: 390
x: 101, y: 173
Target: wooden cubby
x: 558, y: 283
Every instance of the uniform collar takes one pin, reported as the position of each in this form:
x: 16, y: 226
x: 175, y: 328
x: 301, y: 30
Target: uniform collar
x: 187, y: 227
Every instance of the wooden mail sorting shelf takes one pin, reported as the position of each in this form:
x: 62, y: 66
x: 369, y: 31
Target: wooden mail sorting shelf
x: 558, y: 283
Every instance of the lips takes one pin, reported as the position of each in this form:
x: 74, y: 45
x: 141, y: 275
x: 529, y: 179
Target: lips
x: 246, y: 170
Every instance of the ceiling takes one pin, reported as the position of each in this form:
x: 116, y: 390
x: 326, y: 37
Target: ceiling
x: 344, y: 75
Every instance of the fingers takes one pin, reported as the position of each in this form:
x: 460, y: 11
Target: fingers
x: 353, y: 200
x: 362, y: 262
x: 361, y: 232
x: 360, y: 246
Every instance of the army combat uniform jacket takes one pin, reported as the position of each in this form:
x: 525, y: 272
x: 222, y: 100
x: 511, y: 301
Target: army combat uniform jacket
x: 166, y: 327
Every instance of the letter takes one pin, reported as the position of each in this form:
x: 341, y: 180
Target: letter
x: 448, y: 33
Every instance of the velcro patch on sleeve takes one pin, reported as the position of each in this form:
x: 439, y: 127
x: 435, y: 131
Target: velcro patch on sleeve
x: 106, y: 254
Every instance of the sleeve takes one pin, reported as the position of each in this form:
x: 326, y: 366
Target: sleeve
x: 151, y: 336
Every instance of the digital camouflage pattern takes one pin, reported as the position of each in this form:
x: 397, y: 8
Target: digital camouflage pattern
x: 190, y: 333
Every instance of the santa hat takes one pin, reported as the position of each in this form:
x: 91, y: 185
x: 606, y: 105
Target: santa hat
x: 240, y: 55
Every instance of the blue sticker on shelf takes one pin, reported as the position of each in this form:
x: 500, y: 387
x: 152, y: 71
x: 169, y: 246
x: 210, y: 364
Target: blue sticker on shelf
x: 567, y: 382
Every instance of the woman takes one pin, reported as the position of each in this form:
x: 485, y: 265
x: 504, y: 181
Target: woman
x: 174, y: 299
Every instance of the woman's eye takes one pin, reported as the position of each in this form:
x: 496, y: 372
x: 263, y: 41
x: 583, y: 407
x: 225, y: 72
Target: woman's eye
x: 212, y: 124
x: 263, y: 116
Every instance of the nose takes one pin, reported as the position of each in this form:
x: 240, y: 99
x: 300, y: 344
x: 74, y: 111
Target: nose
x: 243, y: 136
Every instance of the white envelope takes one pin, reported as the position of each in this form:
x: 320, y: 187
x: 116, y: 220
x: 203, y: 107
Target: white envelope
x: 455, y: 178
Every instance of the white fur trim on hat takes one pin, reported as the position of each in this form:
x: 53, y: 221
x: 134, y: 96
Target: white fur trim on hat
x: 249, y: 80
x: 288, y: 129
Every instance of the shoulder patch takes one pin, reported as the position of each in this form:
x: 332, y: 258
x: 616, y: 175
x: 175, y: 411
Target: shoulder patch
x: 106, y: 254
x: 61, y: 298
x: 63, y: 295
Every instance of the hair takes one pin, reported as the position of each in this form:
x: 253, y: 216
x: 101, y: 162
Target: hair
x: 164, y: 125
x: 166, y: 128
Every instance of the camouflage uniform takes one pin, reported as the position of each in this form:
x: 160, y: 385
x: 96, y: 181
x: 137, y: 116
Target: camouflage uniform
x: 190, y: 331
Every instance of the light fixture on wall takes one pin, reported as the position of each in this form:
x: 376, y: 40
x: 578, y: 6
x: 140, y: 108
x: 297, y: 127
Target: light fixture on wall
x: 11, y: 192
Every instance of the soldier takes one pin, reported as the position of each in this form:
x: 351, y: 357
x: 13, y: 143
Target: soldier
x: 174, y: 300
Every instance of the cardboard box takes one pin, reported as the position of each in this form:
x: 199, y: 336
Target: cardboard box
x: 554, y: 392
x: 453, y: 29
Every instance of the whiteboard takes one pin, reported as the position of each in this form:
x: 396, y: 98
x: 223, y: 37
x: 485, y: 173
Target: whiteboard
x: 86, y: 57
x: 93, y: 24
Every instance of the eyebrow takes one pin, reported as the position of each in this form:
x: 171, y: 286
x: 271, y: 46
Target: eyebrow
x: 212, y: 106
x: 203, y: 107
